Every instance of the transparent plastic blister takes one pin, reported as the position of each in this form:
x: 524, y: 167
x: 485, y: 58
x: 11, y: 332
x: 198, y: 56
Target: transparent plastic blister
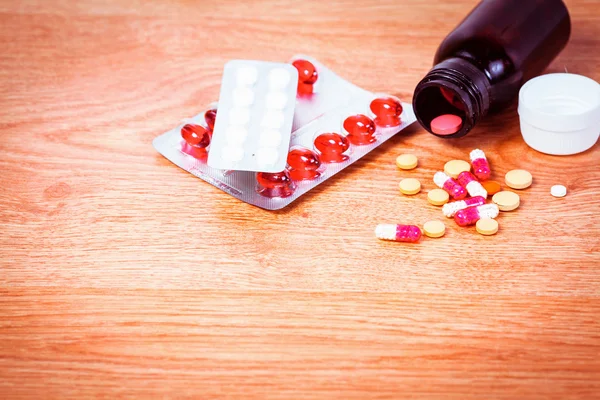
x: 329, y: 134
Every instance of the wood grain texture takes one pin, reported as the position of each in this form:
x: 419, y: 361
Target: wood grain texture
x: 124, y: 276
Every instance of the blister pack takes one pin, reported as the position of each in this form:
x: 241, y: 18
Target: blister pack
x: 335, y: 124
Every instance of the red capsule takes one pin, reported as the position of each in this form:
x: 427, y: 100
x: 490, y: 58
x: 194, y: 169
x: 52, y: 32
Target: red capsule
x: 209, y: 117
x: 332, y: 147
x: 278, y: 184
x: 303, y: 164
x: 387, y: 111
x: 307, y: 73
x: 360, y: 129
x: 196, y: 136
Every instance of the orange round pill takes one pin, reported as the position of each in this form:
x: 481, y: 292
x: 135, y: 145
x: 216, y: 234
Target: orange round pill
x: 491, y: 187
x: 446, y: 124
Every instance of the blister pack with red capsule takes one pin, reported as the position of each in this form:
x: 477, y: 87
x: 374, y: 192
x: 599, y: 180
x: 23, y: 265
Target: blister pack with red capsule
x: 335, y: 123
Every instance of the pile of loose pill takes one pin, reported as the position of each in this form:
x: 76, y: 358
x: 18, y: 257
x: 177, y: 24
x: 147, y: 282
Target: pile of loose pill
x: 470, y: 192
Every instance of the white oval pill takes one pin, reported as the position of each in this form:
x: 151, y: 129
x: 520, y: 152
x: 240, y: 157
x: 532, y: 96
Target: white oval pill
x: 269, y: 138
x: 267, y: 156
x: 236, y: 134
x: 276, y: 100
x: 279, y: 78
x: 273, y: 119
x: 247, y: 75
x: 230, y: 153
x: 243, y: 97
x: 239, y: 116
x: 558, y: 191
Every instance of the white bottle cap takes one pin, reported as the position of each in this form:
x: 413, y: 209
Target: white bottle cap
x: 560, y: 113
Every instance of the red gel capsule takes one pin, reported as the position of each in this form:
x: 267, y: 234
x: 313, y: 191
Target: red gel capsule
x: 331, y: 147
x: 360, y: 129
x: 387, y: 111
x: 196, y: 136
x: 278, y: 184
x: 303, y: 164
x: 209, y: 117
x: 307, y: 76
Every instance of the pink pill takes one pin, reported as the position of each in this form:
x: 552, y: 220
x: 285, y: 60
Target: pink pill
x: 446, y: 124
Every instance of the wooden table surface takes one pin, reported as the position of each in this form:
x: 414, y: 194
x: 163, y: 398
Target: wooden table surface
x: 121, y: 275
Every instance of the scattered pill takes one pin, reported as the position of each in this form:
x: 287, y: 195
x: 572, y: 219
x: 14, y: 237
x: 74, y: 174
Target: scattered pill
x: 487, y: 226
x: 455, y: 167
x: 506, y: 201
x: 434, y: 229
x: 438, y: 197
x: 446, y: 124
x: 470, y: 216
x: 453, y: 188
x: 481, y: 167
x: 558, y: 191
x: 518, y: 179
x: 407, y: 161
x: 469, y: 182
x: 410, y: 186
x: 387, y: 111
x: 491, y: 187
x: 450, y: 209
x: 398, y: 233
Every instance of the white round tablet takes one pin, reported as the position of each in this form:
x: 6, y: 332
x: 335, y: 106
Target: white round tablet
x: 236, y: 134
x: 279, y: 78
x: 273, y: 119
x: 267, y: 156
x: 239, y: 116
x: 247, y: 75
x: 269, y: 138
x: 243, y: 97
x: 558, y: 191
x: 276, y: 100
x: 230, y: 153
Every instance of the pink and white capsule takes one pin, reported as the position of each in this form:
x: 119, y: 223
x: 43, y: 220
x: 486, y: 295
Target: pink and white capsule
x: 480, y: 164
x: 449, y: 209
x: 453, y: 188
x: 469, y: 182
x: 398, y: 233
x: 470, y: 216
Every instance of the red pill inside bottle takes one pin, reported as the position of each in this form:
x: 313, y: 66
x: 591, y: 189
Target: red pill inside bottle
x: 196, y: 136
x: 209, y: 117
x: 331, y: 147
x: 278, y: 184
x: 303, y: 164
x: 387, y: 111
x: 360, y: 129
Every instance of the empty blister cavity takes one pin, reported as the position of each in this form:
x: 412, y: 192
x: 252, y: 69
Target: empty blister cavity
x: 246, y: 75
x: 279, y: 78
x: 243, y: 97
x: 276, y: 100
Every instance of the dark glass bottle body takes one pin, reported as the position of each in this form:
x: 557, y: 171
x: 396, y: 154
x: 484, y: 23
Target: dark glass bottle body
x: 481, y: 65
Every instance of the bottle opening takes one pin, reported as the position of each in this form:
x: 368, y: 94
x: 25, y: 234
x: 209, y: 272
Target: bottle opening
x: 442, y: 104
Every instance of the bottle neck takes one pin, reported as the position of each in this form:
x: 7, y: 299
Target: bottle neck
x: 454, y: 86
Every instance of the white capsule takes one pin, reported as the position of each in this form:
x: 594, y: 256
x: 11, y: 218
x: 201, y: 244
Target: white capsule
x: 385, y: 232
x: 279, y: 78
x: 440, y: 179
x: 232, y: 154
x: 269, y: 138
x: 243, y: 97
x: 558, y: 191
x: 488, y: 211
x: 477, y: 154
x: 267, y: 156
x: 247, y: 75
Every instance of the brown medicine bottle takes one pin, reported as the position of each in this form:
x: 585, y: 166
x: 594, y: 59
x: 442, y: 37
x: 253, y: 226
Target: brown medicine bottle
x: 481, y: 65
